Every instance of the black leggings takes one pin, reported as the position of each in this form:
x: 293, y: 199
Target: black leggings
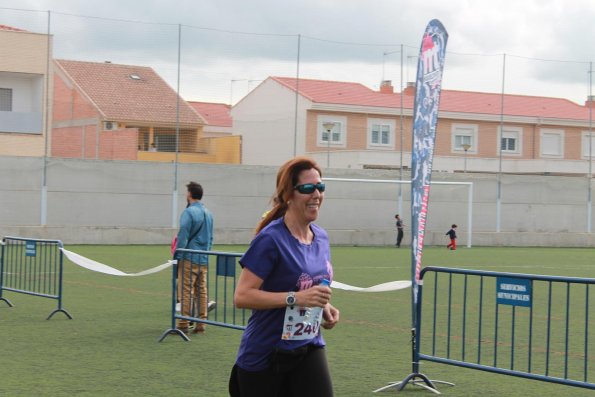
x: 309, y: 377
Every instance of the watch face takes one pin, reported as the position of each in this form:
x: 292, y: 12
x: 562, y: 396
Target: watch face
x: 290, y: 300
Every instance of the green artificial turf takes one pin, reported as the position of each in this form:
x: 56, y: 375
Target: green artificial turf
x: 110, y: 347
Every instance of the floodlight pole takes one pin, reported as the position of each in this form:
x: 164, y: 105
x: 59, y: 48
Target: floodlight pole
x: 44, y: 175
x: 174, y: 200
x: 470, y: 215
x: 499, y: 143
x: 400, y: 205
x: 297, y: 95
x: 590, y: 174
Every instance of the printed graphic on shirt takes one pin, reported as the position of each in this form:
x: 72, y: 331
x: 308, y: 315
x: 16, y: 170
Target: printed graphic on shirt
x: 303, y: 323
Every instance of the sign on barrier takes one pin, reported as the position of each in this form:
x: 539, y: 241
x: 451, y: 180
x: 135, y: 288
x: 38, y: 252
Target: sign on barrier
x: 513, y: 291
x: 30, y: 248
x: 226, y: 266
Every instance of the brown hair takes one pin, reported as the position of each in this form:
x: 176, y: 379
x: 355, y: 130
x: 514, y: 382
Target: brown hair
x: 287, y: 178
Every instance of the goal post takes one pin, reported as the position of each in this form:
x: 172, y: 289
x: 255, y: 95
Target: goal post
x: 469, y: 186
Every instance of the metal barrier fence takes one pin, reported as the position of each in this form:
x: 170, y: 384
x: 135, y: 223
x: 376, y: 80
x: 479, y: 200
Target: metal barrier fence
x: 224, y: 280
x: 32, y: 267
x: 524, y: 325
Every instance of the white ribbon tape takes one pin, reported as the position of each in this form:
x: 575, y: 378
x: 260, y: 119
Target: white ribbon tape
x: 101, y: 268
x: 390, y: 286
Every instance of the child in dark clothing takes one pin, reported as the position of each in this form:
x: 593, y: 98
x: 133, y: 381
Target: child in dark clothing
x: 453, y: 237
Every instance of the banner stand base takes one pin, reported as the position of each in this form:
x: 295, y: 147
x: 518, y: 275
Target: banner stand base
x: 415, y: 379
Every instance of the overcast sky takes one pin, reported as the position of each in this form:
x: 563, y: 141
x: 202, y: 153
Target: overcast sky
x: 229, y: 46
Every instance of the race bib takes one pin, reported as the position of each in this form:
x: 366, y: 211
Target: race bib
x: 301, y: 323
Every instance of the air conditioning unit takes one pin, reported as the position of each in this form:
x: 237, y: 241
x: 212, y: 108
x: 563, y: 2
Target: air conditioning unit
x: 110, y: 125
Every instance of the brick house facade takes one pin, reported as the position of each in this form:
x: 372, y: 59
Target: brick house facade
x: 372, y: 129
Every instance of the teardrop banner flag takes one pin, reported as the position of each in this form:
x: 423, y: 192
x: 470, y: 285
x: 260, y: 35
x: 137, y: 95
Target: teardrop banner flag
x: 425, y: 117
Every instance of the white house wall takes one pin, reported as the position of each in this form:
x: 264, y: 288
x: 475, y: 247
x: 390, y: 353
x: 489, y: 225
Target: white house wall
x: 266, y: 121
x: 24, y: 64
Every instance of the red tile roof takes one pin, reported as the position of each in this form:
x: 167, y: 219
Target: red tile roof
x: 11, y: 29
x: 129, y: 93
x: 514, y: 105
x: 343, y: 93
x: 217, y: 114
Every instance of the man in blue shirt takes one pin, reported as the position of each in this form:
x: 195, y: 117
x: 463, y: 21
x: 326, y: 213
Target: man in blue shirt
x: 196, y: 233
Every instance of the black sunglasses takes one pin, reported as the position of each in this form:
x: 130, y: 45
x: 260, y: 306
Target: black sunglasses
x: 308, y: 188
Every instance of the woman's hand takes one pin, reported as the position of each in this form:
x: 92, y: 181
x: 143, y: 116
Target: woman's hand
x: 330, y: 315
x: 317, y: 296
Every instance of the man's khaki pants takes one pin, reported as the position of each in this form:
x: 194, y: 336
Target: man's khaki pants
x: 192, y: 288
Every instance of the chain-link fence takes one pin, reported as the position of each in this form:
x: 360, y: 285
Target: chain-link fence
x: 115, y: 89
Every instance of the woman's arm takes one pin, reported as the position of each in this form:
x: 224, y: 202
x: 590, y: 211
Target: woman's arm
x: 248, y: 294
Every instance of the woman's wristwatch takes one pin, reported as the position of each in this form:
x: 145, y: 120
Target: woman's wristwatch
x: 290, y: 299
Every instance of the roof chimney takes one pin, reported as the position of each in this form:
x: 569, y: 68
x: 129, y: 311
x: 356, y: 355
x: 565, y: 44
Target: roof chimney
x: 410, y: 89
x: 590, y: 101
x: 386, y: 87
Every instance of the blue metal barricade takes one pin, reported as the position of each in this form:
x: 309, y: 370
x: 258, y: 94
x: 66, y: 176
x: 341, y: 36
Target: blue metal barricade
x: 32, y: 267
x: 224, y: 279
x: 523, y: 325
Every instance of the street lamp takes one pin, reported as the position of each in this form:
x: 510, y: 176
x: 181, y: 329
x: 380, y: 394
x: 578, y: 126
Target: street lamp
x: 466, y: 147
x: 384, y: 54
x: 328, y: 126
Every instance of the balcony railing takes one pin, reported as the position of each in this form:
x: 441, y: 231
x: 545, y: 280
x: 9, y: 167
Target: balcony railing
x: 21, y: 122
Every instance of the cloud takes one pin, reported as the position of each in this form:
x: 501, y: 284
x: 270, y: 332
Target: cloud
x: 227, y: 40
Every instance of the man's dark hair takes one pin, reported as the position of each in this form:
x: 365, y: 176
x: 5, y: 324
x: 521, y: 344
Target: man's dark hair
x: 195, y: 190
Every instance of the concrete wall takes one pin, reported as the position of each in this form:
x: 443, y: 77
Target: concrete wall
x: 129, y: 202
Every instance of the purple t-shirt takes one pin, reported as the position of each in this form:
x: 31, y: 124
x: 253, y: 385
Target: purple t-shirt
x: 284, y: 264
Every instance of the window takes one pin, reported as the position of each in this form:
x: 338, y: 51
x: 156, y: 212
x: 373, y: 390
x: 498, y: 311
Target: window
x: 337, y: 132
x: 510, y: 140
x: 6, y: 99
x: 508, y: 144
x: 381, y: 133
x: 552, y: 143
x: 464, y: 134
x: 585, y: 144
x: 461, y: 140
x: 165, y: 142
